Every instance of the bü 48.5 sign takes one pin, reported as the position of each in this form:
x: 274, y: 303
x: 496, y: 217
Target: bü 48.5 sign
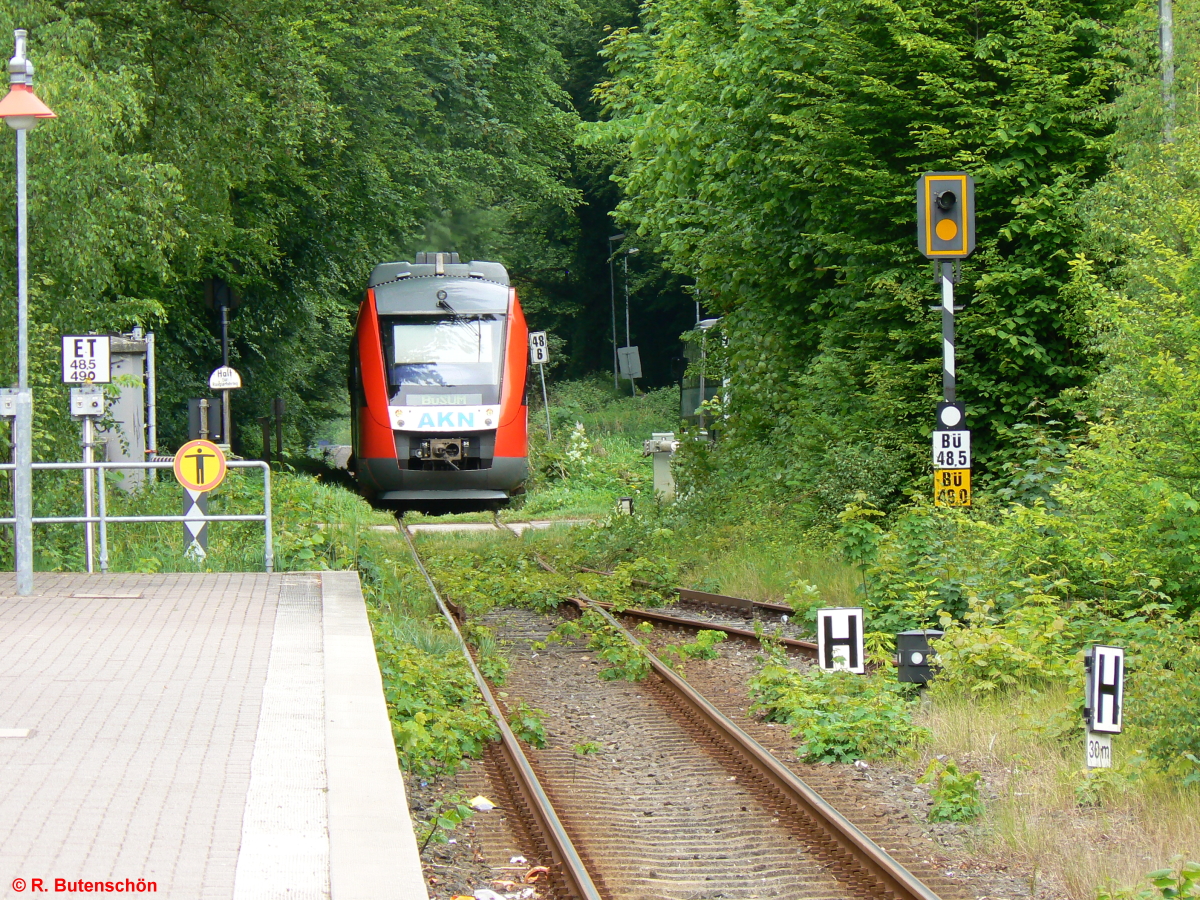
x: 952, y: 449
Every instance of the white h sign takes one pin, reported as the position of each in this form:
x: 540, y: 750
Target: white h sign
x: 539, y: 350
x: 840, y: 640
x: 85, y: 359
x: 1105, y: 690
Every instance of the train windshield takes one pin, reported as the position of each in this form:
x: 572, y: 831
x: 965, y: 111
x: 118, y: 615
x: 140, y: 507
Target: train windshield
x: 446, y: 351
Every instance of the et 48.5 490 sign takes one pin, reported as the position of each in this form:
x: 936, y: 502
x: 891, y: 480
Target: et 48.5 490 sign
x: 85, y: 359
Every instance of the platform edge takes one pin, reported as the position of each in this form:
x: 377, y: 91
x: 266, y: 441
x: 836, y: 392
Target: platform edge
x: 372, y: 847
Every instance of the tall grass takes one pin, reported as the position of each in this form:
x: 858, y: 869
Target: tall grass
x: 1074, y: 831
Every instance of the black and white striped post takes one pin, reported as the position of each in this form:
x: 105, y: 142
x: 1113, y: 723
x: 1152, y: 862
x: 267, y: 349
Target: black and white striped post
x: 948, y: 331
x: 946, y: 234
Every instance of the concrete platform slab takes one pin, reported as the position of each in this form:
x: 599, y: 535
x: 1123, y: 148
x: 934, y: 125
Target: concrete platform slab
x: 219, y: 735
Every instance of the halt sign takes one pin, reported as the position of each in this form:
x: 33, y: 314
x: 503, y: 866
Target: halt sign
x: 199, y: 465
x: 85, y: 359
x: 225, y: 378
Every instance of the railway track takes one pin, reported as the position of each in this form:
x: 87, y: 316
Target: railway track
x: 649, y: 791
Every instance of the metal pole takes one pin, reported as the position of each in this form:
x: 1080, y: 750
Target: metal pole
x: 268, y: 536
x: 612, y: 297
x: 89, y: 539
x: 545, y: 402
x: 948, y: 331
x: 226, y: 417
x: 632, y: 383
x: 152, y: 397
x: 23, y: 455
x: 1166, y: 39
x: 103, y: 522
x: 203, y: 418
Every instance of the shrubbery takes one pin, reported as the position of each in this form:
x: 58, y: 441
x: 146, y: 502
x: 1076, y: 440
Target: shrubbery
x: 838, y: 716
x: 438, y: 717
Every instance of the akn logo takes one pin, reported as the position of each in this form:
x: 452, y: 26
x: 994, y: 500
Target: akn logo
x: 447, y: 420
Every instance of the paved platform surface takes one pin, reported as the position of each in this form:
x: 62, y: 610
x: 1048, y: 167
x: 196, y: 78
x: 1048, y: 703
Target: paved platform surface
x: 223, y: 736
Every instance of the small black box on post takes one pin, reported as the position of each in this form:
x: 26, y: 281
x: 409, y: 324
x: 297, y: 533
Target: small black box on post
x: 205, y: 420
x: 912, y: 655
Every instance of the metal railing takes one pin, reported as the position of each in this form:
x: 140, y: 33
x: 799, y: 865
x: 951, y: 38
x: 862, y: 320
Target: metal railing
x: 103, y: 519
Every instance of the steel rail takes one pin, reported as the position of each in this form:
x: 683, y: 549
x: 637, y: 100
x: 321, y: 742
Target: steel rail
x: 687, y: 595
x: 891, y: 875
x: 568, y: 861
x: 649, y: 615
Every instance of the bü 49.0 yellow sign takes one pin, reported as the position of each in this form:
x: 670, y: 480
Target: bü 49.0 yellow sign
x: 952, y: 487
x: 200, y: 465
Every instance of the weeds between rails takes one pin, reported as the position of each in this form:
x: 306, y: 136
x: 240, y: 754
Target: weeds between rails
x: 863, y: 863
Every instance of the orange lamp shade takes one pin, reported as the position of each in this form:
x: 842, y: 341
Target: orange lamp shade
x: 22, y: 101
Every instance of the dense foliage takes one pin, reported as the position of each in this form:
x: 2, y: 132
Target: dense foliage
x: 285, y: 147
x: 772, y: 149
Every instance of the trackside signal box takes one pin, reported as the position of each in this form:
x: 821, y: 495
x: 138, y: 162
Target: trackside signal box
x: 946, y: 215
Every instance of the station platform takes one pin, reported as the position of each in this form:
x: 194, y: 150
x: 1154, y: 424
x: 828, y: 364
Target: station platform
x: 222, y: 736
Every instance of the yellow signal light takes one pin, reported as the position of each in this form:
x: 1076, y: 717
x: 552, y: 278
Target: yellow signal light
x: 946, y: 229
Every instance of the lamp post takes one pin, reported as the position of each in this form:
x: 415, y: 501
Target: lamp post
x: 21, y: 111
x: 632, y: 251
x: 612, y: 297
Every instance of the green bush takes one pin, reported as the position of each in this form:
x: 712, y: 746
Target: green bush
x: 1182, y: 883
x: 704, y: 647
x: 987, y: 652
x: 955, y: 794
x: 527, y: 724
x: 438, y: 716
x: 838, y: 716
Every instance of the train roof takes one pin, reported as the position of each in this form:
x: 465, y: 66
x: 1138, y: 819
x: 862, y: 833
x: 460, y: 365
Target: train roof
x: 438, y: 268
x: 439, y: 287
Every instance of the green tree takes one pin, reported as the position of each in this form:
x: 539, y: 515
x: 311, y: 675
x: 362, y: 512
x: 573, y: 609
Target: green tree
x: 771, y: 149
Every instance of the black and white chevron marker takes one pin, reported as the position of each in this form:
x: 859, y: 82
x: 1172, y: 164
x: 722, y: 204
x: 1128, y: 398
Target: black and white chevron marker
x: 195, y: 529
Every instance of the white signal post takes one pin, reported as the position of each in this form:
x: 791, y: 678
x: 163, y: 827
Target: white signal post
x: 87, y: 404
x: 539, y: 352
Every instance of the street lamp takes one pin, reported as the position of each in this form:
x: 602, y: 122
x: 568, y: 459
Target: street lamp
x: 632, y: 251
x: 612, y: 297
x: 21, y: 111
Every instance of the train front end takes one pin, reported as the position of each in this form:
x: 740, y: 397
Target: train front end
x: 437, y: 384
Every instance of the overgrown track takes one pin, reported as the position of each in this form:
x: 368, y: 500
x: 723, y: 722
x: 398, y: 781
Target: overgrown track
x: 526, y: 797
x: 699, y: 809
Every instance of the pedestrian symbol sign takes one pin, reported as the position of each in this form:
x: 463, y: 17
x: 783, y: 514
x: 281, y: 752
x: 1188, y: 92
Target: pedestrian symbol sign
x: 199, y: 465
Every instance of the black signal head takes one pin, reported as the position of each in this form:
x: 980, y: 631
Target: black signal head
x: 946, y: 200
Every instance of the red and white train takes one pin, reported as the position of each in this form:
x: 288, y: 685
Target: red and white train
x: 438, y: 369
